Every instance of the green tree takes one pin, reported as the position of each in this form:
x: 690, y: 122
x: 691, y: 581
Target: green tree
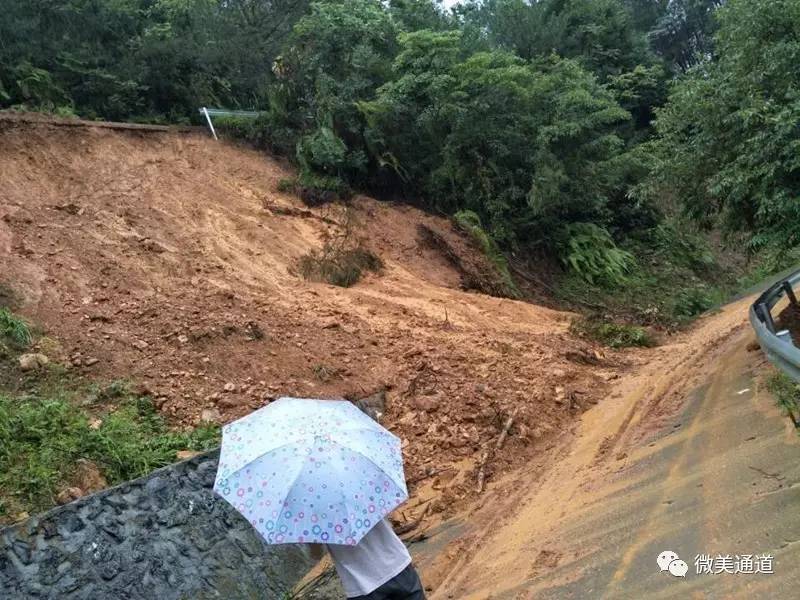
x: 338, y: 56
x: 523, y: 145
x: 730, y: 134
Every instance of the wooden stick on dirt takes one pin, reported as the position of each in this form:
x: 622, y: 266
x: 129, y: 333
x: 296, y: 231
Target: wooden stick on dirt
x: 498, y: 444
x: 405, y: 528
x: 428, y: 475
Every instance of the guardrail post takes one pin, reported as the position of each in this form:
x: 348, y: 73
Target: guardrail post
x: 766, y: 316
x: 210, y: 125
x: 790, y: 293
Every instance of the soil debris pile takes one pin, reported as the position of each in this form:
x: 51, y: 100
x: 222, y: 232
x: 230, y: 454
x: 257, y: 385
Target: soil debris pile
x: 171, y: 260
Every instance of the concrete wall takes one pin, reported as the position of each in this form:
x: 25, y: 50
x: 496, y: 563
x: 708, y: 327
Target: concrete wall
x: 165, y: 536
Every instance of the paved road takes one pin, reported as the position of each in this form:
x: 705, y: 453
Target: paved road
x: 720, y: 478
x: 722, y: 481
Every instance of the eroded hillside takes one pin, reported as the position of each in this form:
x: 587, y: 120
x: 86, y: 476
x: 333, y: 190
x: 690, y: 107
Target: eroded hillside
x: 169, y: 260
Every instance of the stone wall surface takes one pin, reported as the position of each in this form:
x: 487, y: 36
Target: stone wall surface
x: 165, y: 536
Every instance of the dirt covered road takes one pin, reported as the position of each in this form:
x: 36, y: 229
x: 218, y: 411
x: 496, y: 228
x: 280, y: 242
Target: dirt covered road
x: 170, y: 261
x: 689, y: 455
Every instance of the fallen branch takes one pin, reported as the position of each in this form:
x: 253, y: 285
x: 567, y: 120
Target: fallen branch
x: 291, y: 211
x: 428, y: 475
x: 498, y: 444
x: 413, y: 524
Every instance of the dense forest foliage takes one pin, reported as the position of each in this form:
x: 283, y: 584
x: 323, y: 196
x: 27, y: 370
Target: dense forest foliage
x: 602, y: 135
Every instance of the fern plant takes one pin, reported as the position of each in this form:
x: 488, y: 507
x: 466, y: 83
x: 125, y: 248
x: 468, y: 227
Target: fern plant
x: 589, y: 251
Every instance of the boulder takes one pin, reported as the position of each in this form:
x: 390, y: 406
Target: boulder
x: 33, y: 361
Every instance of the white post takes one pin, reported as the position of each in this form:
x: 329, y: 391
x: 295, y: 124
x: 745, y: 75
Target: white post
x: 210, y: 124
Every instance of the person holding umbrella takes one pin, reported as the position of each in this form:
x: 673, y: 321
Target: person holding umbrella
x: 322, y: 472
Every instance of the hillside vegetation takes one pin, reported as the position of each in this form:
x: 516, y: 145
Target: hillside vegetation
x: 596, y: 142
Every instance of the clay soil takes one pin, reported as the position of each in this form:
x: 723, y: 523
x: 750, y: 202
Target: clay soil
x: 169, y: 260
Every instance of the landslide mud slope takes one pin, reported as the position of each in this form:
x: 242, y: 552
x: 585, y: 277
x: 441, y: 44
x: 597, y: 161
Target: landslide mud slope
x: 168, y: 259
x: 688, y: 453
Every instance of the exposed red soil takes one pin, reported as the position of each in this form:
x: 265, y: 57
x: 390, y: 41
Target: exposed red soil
x: 169, y: 259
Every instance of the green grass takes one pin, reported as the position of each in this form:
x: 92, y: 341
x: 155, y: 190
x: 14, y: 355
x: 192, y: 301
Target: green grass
x: 44, y: 433
x: 14, y: 329
x: 615, y: 335
x: 787, y: 394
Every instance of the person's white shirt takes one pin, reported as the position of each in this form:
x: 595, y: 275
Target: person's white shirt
x: 364, y: 567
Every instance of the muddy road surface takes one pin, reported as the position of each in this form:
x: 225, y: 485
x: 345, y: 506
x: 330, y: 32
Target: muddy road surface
x: 691, y: 455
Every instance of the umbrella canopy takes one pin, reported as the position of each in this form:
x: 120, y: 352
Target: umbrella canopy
x: 310, y: 471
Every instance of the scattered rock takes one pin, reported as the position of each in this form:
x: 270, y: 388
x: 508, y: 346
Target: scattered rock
x: 142, y: 389
x: 88, y: 477
x: 186, y: 454
x: 253, y: 332
x: 230, y: 387
x: 33, y: 361
x: 70, y: 208
x: 183, y: 338
x: 140, y: 344
x: 227, y: 402
x: 427, y: 403
x: 69, y: 494
x: 210, y: 415
x: 374, y: 405
x: 152, y: 246
x: 91, y: 361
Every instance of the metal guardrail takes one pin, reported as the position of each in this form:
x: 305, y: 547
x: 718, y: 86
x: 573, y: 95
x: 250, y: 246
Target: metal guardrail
x: 777, y: 344
x: 219, y: 112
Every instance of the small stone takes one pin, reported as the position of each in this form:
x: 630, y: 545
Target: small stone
x: 183, y: 339
x: 186, y: 454
x: 30, y: 362
x: 95, y: 423
x: 427, y: 403
x: 230, y: 387
x: 91, y: 361
x: 152, y: 246
x: 88, y: 476
x: 69, y: 494
x: 228, y: 402
x: 210, y: 415
x: 140, y: 344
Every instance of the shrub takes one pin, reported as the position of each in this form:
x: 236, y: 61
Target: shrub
x: 339, y: 266
x: 14, y: 329
x: 694, y: 301
x: 287, y: 184
x: 470, y: 223
x: 315, y: 190
x: 787, y: 394
x: 590, y: 252
x: 321, y: 150
x: 615, y: 335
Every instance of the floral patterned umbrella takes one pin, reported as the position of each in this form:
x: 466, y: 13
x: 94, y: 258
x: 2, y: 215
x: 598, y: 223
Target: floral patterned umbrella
x: 310, y: 471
